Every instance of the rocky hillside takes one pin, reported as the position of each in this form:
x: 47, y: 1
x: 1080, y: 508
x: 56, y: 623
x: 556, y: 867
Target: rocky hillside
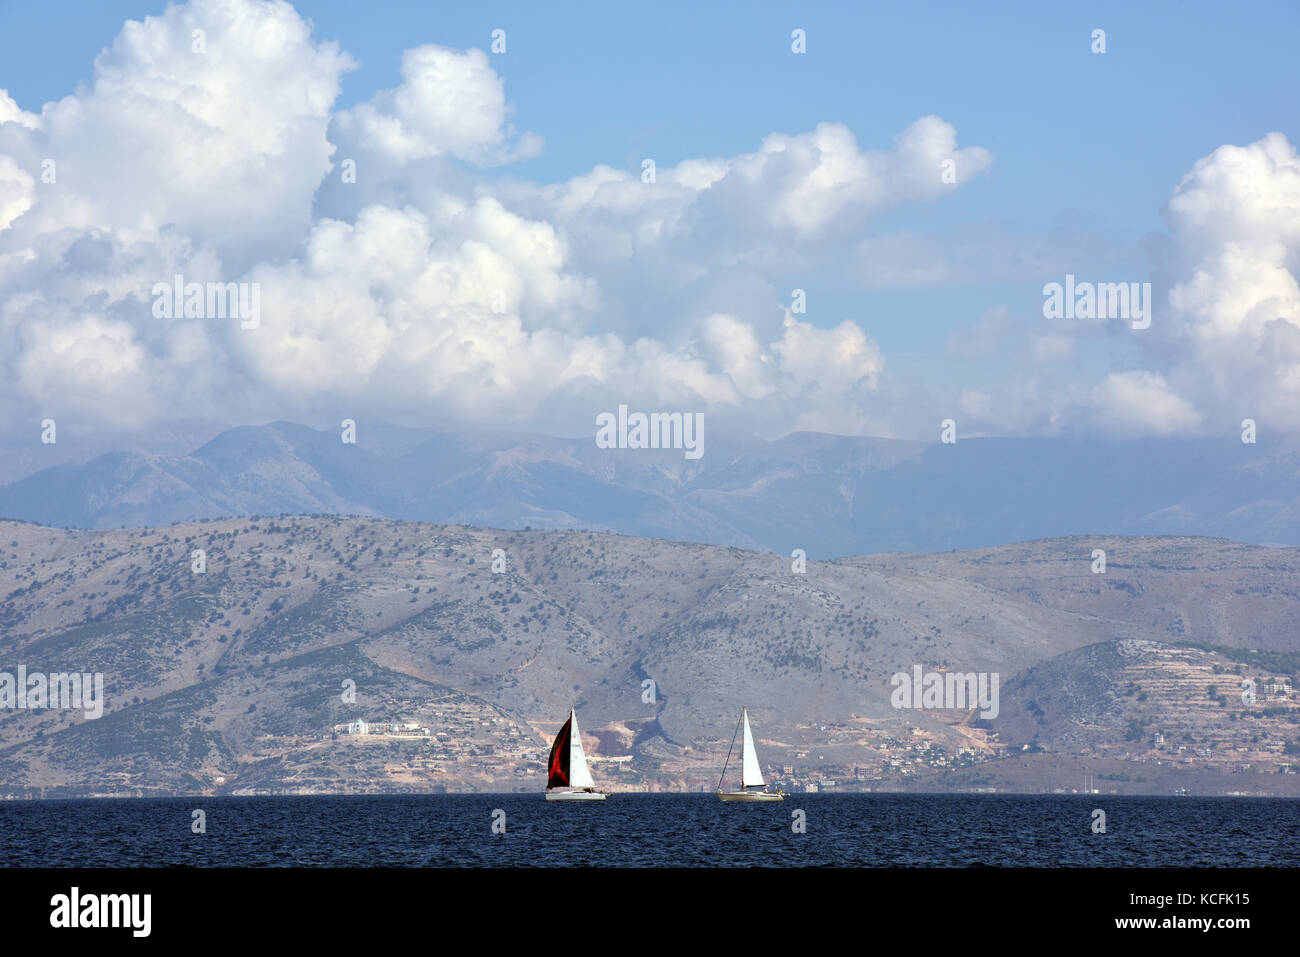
x: 239, y: 678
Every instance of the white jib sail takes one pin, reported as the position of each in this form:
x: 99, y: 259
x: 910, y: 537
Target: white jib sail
x: 750, y: 774
x: 579, y: 776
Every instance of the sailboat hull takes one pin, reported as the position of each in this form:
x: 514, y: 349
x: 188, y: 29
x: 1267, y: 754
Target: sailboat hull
x: 750, y: 796
x: 575, y: 796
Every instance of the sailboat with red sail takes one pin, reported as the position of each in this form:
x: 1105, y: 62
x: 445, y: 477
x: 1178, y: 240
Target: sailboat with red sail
x: 568, y: 778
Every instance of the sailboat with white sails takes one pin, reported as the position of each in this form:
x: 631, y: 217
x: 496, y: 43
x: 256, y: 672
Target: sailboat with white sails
x: 751, y: 775
x: 567, y: 776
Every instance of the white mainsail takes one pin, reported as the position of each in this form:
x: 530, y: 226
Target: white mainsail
x: 579, y: 776
x: 750, y: 773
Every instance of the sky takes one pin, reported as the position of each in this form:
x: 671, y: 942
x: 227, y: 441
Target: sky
x: 499, y: 259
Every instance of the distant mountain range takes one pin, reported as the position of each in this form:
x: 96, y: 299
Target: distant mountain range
x: 831, y: 496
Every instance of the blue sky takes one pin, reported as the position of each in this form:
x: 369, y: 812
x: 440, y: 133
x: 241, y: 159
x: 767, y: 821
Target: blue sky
x: 1087, y: 148
x: 1106, y: 136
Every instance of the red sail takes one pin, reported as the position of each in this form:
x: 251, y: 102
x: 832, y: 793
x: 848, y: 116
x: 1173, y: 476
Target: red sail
x: 559, y: 765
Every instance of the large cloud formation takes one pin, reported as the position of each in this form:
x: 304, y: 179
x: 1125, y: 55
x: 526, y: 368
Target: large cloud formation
x: 207, y: 146
x: 401, y: 276
x: 1236, y: 217
x: 1224, y: 342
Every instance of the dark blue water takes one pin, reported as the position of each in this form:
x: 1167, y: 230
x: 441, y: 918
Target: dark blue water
x: 859, y: 830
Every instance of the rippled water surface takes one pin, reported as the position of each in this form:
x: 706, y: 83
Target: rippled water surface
x: 861, y: 830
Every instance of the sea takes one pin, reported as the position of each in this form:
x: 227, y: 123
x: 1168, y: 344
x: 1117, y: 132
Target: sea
x: 653, y: 830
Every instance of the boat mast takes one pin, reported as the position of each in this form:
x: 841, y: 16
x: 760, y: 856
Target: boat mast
x: 573, y: 720
x: 729, y: 750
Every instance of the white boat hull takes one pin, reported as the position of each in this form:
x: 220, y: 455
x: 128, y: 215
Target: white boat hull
x: 575, y: 795
x: 750, y: 796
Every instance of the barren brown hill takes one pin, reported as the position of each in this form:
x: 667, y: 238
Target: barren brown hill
x: 234, y: 679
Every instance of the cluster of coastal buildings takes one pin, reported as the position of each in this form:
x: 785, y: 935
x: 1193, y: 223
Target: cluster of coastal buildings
x: 393, y: 729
